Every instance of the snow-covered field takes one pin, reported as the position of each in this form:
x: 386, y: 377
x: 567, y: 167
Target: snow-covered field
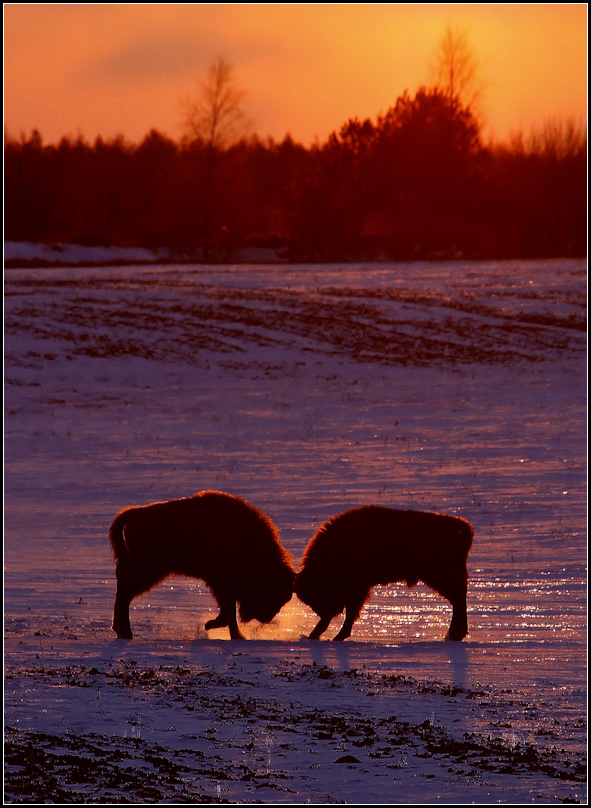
x: 24, y: 253
x: 306, y: 389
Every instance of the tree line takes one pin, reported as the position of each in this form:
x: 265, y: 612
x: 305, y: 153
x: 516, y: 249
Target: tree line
x: 415, y: 183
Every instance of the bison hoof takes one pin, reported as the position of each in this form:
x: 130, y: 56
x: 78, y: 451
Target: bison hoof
x: 341, y: 636
x: 453, y: 636
x: 124, y: 635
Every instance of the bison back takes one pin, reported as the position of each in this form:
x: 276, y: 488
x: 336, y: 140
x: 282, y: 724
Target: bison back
x: 383, y: 545
x: 209, y: 533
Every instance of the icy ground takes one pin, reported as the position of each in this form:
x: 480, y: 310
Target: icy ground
x: 306, y: 389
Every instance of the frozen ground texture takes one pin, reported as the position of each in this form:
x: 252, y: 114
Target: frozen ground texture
x: 306, y: 389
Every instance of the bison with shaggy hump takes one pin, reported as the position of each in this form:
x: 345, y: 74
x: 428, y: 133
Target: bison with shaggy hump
x: 222, y: 539
x: 363, y: 547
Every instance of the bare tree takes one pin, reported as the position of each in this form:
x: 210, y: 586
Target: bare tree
x: 215, y: 119
x: 557, y: 140
x: 456, y: 69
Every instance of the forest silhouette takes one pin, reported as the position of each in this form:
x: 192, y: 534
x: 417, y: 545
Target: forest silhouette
x: 417, y: 183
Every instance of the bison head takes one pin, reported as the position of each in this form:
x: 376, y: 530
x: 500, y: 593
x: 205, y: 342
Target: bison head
x: 318, y: 592
x: 263, y: 598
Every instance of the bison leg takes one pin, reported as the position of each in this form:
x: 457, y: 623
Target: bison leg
x: 227, y: 617
x: 131, y: 583
x: 459, y: 622
x: 345, y: 628
x: 320, y: 628
x: 219, y: 622
x: 352, y: 610
x: 235, y: 633
x: 121, y: 624
x: 453, y: 587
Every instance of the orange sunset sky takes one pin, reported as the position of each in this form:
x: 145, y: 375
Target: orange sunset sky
x: 124, y: 69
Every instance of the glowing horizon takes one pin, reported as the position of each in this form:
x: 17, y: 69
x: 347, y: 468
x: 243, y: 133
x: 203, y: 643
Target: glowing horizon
x: 113, y: 70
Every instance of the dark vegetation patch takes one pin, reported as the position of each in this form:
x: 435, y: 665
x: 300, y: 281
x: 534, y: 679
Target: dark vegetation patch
x: 248, y: 737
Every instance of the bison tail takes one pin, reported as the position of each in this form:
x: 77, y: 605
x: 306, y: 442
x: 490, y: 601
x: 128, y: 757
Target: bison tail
x: 117, y: 538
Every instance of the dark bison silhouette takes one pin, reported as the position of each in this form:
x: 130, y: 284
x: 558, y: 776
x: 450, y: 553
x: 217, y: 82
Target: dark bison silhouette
x: 362, y: 547
x: 222, y: 539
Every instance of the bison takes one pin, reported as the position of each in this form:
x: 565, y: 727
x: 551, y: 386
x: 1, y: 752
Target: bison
x: 222, y: 539
x: 362, y: 547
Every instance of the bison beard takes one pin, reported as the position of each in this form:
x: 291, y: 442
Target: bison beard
x: 222, y: 539
x: 360, y: 548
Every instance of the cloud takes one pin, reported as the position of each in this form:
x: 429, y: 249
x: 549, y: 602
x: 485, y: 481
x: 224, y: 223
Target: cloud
x: 162, y: 57
x: 169, y: 56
